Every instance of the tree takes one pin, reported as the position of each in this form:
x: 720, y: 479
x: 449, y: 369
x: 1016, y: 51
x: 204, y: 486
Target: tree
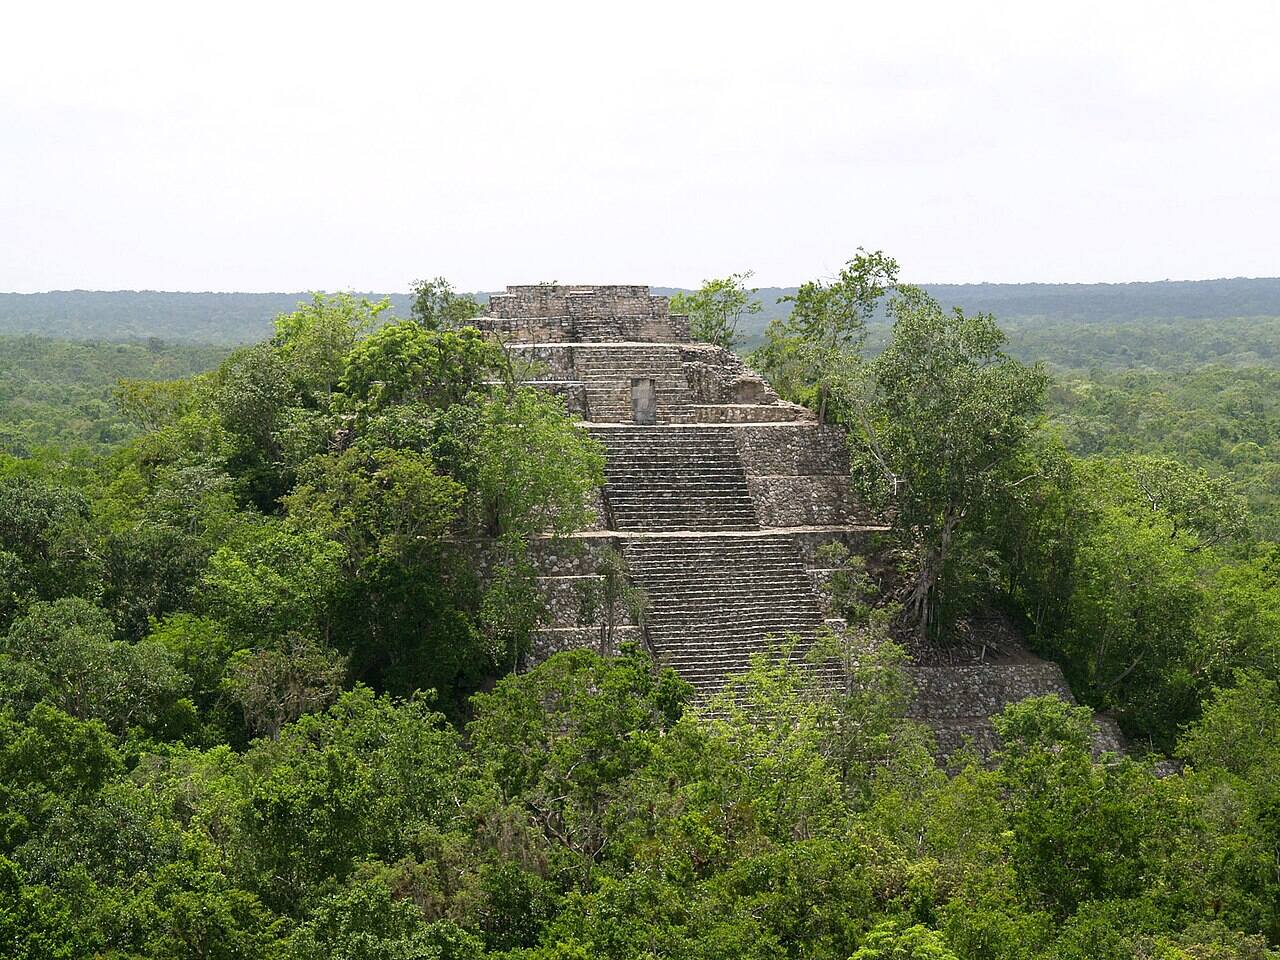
x: 366, y: 920
x: 610, y: 593
x: 717, y: 307
x: 437, y: 305
x: 152, y: 404
x: 44, y: 546
x: 366, y: 779
x: 277, y: 685
x: 1234, y: 753
x: 383, y: 506
x: 62, y: 652
x: 1129, y: 640
x: 283, y: 578
x: 942, y: 417
x: 534, y: 468
x: 33, y: 926
x: 561, y: 740
x: 1193, y: 501
x: 314, y: 340
x: 820, y: 343
x: 409, y: 363
x: 866, y: 729
x: 250, y: 394
x: 893, y: 941
x: 1078, y: 826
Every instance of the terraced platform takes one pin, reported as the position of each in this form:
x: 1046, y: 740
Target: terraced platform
x: 717, y: 493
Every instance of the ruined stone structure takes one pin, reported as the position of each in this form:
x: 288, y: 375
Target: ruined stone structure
x: 717, y: 493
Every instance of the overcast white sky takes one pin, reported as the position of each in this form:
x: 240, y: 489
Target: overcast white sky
x: 280, y: 146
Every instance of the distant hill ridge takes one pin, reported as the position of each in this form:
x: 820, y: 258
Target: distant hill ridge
x: 245, y: 317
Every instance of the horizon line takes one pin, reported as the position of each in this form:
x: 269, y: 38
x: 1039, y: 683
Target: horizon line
x: 651, y: 286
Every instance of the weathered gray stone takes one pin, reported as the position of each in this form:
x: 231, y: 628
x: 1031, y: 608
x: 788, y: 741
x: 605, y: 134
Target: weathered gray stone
x: 800, y: 449
x: 721, y: 507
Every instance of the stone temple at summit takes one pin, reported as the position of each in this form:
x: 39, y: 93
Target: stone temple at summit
x: 719, y: 495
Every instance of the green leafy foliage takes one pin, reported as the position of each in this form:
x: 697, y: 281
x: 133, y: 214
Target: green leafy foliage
x: 435, y: 304
x: 943, y: 420
x: 717, y: 309
x: 261, y: 696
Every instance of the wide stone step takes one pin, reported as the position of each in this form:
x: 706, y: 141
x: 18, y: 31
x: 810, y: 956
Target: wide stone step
x: 730, y: 548
x: 731, y: 627
x: 729, y: 644
x: 679, y: 506
x: 745, y: 611
x: 746, y: 617
x: 675, y: 460
x: 658, y: 558
x: 636, y: 446
x: 742, y: 514
x: 697, y: 483
x: 722, y: 578
x: 729, y: 589
x: 777, y: 605
x: 672, y: 460
x: 683, y: 468
x: 745, y: 560
x: 721, y: 583
x: 680, y: 524
x: 716, y: 602
x: 678, y: 482
x: 683, y: 477
x: 715, y: 545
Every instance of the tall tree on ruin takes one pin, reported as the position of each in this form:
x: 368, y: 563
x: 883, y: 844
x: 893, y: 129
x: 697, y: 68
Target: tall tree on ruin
x: 815, y: 353
x: 939, y: 419
x: 717, y: 307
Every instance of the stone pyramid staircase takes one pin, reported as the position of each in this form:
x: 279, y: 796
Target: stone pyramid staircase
x: 663, y: 478
x: 607, y: 372
x: 718, y: 599
x: 719, y: 507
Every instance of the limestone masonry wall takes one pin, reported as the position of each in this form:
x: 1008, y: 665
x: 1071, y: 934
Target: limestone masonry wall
x: 717, y: 375
x: 958, y: 701
x: 567, y: 314
x: 798, y: 475
x: 803, y: 501
x: 978, y: 690
x: 569, y: 577
x: 792, y: 449
x: 556, y: 300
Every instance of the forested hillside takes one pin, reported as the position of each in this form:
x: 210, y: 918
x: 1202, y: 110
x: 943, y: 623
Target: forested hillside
x: 225, y: 318
x: 1076, y: 326
x: 262, y: 630
x: 1129, y: 324
x: 61, y: 393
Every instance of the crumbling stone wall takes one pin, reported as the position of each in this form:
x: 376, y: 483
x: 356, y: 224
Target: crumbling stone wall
x: 717, y: 375
x: 958, y: 700
x: 959, y: 691
x: 569, y: 571
x: 804, y: 449
x: 536, y: 300
x: 569, y: 314
x: 798, y: 475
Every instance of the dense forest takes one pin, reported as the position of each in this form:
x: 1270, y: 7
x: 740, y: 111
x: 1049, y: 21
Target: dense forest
x: 1126, y: 324
x: 61, y: 393
x: 264, y: 614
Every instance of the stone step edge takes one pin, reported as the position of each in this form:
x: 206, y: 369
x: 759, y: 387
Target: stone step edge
x: 695, y: 534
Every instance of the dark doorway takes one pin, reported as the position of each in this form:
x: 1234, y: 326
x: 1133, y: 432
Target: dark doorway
x: 644, y: 402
